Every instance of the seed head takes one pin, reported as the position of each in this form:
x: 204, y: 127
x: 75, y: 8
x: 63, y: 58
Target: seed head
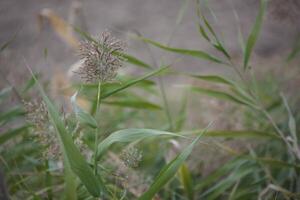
x: 102, y: 59
x: 36, y: 113
x: 131, y: 157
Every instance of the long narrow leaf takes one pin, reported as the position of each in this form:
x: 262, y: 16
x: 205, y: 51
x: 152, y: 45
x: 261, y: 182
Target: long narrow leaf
x: 133, y: 82
x: 241, y: 134
x: 234, y: 87
x: 221, y: 95
x: 188, y: 52
x: 82, y: 116
x: 4, y: 93
x: 254, y: 33
x: 137, y: 104
x: 11, y: 114
x: 7, y: 43
x: 130, y: 135
x: 213, y: 78
x: 73, y: 156
x: 292, y: 121
x: 187, y: 182
x: 168, y: 172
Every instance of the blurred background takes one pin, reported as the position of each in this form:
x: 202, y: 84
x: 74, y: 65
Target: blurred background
x: 29, y: 23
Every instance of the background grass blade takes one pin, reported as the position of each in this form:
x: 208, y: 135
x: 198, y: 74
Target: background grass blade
x: 213, y: 78
x: 71, y: 185
x: 4, y: 93
x: 295, y: 51
x: 133, y: 60
x: 137, y: 104
x: 130, y: 135
x: 215, y: 42
x: 13, y: 113
x: 241, y: 134
x: 12, y: 133
x: 168, y: 172
x: 7, y: 43
x: 234, y: 86
x: 221, y: 95
x: 188, y: 52
x: 291, y: 121
x: 254, y: 33
x: 82, y: 116
x: 133, y: 82
x: 186, y: 181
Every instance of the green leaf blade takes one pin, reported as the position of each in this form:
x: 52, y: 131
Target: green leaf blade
x: 133, y: 82
x: 130, y: 135
x: 188, y: 52
x: 254, y: 33
x: 82, y: 116
x: 168, y: 172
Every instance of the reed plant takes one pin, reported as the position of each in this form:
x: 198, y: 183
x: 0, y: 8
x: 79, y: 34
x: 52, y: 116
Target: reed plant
x: 114, y: 141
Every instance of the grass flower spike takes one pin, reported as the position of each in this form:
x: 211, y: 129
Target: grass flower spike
x: 37, y: 114
x: 131, y: 157
x: 102, y: 59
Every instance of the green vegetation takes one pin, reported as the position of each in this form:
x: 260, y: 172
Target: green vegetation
x: 76, y: 152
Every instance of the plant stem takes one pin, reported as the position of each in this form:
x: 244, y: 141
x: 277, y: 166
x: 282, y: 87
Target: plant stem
x: 161, y: 87
x: 97, y: 129
x: 166, y: 104
x: 263, y: 110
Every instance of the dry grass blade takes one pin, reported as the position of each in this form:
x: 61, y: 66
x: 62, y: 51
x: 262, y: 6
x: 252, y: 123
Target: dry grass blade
x: 60, y: 26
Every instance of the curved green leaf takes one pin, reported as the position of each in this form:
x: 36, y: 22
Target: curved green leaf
x: 133, y: 82
x: 168, y: 172
x: 82, y: 116
x: 130, y: 135
x: 188, y: 52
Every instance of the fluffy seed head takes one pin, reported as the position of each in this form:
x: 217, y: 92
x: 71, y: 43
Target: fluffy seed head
x: 102, y: 59
x: 36, y: 113
x: 131, y: 157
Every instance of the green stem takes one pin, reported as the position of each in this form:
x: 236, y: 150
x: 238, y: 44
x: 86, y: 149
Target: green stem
x: 166, y: 104
x: 161, y: 88
x: 97, y: 129
x: 263, y: 110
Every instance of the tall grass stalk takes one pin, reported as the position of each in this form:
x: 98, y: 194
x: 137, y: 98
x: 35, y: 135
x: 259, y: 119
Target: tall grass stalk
x: 98, y: 127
